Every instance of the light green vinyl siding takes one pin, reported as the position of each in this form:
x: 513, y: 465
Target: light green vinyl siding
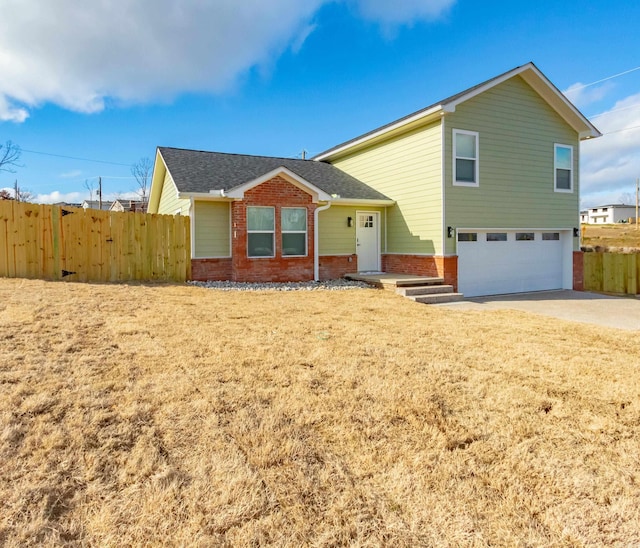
x: 407, y: 169
x: 517, y: 131
x: 211, y: 229
x: 169, y: 201
x: 335, y: 237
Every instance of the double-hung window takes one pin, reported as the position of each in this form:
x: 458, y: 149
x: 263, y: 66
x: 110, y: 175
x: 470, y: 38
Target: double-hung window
x: 294, y: 231
x: 563, y: 168
x: 261, y: 231
x: 465, y: 158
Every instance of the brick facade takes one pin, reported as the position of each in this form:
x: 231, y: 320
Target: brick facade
x: 276, y: 193
x: 217, y: 270
x: 421, y: 265
x: 578, y: 271
x: 332, y: 267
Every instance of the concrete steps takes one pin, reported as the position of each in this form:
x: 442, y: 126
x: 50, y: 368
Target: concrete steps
x: 430, y: 294
x: 422, y: 289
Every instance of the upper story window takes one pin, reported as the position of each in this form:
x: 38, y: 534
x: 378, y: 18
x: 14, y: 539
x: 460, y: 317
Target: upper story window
x: 294, y: 231
x: 260, y: 231
x: 465, y: 158
x: 563, y: 168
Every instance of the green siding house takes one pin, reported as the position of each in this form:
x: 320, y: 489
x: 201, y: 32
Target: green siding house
x: 481, y: 189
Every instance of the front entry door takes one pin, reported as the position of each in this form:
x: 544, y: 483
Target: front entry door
x: 368, y: 241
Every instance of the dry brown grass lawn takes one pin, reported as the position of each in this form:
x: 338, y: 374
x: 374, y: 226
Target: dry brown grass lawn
x: 612, y: 237
x: 184, y: 416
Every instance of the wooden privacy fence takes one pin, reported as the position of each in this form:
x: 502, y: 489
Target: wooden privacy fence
x: 53, y: 243
x: 612, y: 272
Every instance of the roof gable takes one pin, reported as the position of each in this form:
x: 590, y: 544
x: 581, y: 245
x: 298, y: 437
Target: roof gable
x: 288, y: 175
x: 529, y: 73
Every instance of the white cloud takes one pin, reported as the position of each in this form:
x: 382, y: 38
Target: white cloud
x: 79, y: 55
x: 73, y: 174
x: 10, y: 113
x: 611, y: 163
x: 582, y: 96
x: 56, y: 196
x: 403, y: 11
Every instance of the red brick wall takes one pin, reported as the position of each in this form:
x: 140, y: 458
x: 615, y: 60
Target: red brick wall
x: 420, y: 265
x: 333, y: 267
x: 217, y: 270
x: 578, y: 271
x: 277, y: 193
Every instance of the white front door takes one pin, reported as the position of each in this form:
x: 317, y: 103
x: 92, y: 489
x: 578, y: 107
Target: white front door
x: 368, y: 241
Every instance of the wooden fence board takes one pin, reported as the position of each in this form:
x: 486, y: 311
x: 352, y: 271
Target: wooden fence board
x: 612, y: 273
x: 49, y: 242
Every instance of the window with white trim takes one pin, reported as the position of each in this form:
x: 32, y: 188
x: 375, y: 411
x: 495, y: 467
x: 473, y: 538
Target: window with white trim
x: 294, y: 231
x: 465, y: 158
x: 563, y: 168
x: 261, y: 231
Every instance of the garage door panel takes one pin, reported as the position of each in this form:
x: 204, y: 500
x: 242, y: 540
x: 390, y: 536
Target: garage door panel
x: 512, y: 266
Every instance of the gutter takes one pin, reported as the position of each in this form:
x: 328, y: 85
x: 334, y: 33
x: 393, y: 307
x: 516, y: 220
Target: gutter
x: 316, y: 240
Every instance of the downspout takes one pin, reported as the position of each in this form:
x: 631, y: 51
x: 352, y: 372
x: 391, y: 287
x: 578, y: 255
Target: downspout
x: 316, y: 240
x: 192, y: 215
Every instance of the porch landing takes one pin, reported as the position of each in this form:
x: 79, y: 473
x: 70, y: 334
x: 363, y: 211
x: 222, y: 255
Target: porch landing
x: 422, y: 289
x: 388, y: 280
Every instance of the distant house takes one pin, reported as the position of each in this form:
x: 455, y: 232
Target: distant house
x: 480, y: 189
x: 95, y: 204
x: 608, y: 214
x: 134, y: 206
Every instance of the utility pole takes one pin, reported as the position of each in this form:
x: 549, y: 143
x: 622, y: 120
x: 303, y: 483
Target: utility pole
x: 304, y: 154
x: 100, y: 193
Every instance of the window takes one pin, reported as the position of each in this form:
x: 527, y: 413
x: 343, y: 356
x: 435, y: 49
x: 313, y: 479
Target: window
x: 294, y: 231
x: 467, y: 236
x: 548, y: 236
x: 525, y: 236
x: 563, y: 165
x: 465, y: 158
x: 260, y: 231
x: 496, y: 236
x: 366, y: 221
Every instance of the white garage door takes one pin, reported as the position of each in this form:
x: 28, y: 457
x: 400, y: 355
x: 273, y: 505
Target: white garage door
x: 495, y: 262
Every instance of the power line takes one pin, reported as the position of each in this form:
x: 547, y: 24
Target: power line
x: 636, y: 105
x: 74, y: 158
x: 603, y: 80
x: 621, y: 130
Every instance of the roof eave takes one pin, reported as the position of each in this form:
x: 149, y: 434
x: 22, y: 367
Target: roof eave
x: 362, y: 201
x: 211, y: 196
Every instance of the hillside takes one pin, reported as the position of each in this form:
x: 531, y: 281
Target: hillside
x: 611, y: 237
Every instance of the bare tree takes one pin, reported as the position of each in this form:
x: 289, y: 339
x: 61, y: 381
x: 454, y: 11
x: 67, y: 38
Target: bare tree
x: 142, y: 171
x: 5, y: 194
x: 21, y: 195
x: 89, y: 184
x: 9, y: 157
x: 25, y: 195
x: 627, y: 198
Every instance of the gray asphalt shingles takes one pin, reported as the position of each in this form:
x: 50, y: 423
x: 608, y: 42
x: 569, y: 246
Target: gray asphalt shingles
x: 201, y: 171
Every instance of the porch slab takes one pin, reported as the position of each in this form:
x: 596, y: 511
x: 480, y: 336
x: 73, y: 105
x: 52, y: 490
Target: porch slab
x: 389, y: 280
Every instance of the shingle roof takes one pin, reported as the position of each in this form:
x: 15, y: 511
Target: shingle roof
x: 452, y: 99
x: 200, y: 171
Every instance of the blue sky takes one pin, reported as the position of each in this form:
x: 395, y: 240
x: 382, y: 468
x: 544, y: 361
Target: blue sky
x: 110, y: 81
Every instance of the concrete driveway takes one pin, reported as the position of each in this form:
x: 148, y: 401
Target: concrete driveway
x: 578, y: 306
